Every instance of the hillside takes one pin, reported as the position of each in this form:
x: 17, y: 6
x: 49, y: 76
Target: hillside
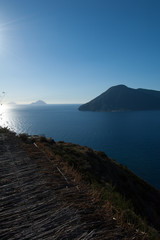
x: 123, y: 98
x: 58, y: 190
x: 129, y: 195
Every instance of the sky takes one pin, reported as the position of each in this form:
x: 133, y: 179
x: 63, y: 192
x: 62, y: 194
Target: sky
x: 70, y: 51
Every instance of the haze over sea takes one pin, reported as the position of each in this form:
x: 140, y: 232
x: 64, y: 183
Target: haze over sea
x: 132, y: 138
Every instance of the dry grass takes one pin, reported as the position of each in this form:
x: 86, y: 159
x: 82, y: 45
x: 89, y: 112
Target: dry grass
x: 113, y: 204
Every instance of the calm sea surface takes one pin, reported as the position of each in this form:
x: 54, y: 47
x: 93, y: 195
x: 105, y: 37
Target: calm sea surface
x: 132, y: 138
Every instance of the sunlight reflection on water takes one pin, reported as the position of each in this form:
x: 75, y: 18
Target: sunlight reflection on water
x: 13, y: 120
x: 3, y: 115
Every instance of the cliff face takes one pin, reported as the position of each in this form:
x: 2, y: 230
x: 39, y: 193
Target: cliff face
x: 122, y: 98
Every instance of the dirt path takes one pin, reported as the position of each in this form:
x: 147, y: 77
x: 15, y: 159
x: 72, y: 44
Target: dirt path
x: 36, y: 201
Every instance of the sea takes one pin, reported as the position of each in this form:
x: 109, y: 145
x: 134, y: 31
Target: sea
x: 131, y: 138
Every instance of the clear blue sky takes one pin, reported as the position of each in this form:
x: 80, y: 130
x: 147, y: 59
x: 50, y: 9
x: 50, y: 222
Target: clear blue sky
x: 70, y: 51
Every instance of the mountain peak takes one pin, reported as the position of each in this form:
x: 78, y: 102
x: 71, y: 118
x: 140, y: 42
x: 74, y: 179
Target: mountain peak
x: 120, y: 86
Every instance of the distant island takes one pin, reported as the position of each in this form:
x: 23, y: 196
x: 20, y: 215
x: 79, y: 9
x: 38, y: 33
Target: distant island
x: 39, y: 102
x: 123, y: 98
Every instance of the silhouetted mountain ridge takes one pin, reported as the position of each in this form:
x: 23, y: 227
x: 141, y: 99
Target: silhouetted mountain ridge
x: 123, y: 98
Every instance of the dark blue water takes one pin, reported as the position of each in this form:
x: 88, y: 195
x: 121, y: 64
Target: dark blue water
x: 132, y: 138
